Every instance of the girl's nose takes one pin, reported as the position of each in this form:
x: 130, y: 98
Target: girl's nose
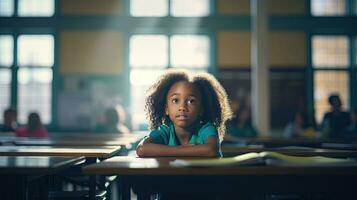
x: 183, y: 107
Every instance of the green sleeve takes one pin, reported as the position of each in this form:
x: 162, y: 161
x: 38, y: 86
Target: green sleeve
x: 160, y: 135
x: 208, y: 130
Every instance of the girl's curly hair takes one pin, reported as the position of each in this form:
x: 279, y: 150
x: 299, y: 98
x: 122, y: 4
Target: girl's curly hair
x: 215, y: 103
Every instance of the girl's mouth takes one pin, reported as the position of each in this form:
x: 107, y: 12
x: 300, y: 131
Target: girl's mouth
x: 181, y: 117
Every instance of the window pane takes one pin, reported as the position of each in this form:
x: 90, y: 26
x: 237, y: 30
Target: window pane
x: 6, y: 8
x: 140, y: 81
x: 328, y: 7
x: 6, y: 50
x: 189, y: 8
x: 330, y: 51
x: 34, y: 93
x: 189, y: 51
x: 36, y: 50
x: 326, y: 83
x: 148, y: 51
x: 148, y: 8
x: 5, y: 85
x: 36, y: 8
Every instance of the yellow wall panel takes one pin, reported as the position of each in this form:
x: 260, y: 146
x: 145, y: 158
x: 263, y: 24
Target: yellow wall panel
x: 95, y: 53
x: 91, y: 7
x: 233, y: 49
x: 286, y: 7
x: 275, y: 7
x: 287, y: 49
x: 232, y: 7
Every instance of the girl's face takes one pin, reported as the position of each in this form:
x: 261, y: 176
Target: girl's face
x: 183, y: 104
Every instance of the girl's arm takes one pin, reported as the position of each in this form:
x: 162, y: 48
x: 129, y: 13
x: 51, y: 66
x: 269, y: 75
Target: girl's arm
x: 148, y: 149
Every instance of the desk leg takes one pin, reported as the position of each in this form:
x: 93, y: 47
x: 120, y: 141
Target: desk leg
x: 123, y: 188
x: 92, y: 180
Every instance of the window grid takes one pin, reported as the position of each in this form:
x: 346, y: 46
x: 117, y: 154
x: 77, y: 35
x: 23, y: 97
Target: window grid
x: 330, y: 52
x: 328, y: 7
x: 5, y: 88
x: 6, y: 8
x: 36, y: 8
x: 35, y: 93
x: 325, y: 84
x: 144, y: 74
x: 176, y: 8
x: 6, y: 50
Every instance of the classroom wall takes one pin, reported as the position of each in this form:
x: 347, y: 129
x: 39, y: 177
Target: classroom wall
x: 286, y: 49
x: 91, y: 7
x: 275, y: 7
x: 91, y: 52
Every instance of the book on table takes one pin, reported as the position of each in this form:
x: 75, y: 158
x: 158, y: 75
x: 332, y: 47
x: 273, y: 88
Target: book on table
x: 265, y: 158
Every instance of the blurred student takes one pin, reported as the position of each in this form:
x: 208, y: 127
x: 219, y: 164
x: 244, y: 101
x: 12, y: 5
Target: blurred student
x: 10, y: 117
x: 335, y: 121
x: 114, y: 121
x: 241, y: 125
x: 34, y: 127
x: 299, y: 127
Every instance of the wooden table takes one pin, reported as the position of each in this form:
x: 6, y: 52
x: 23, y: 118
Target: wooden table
x: 270, y: 142
x: 154, y: 175
x: 91, y: 152
x: 232, y: 150
x: 81, y: 140
x: 17, y: 171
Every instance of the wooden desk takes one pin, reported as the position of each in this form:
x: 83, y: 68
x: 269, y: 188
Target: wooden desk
x: 16, y: 172
x: 232, y: 150
x: 270, y: 142
x: 155, y: 175
x: 80, y: 140
x: 91, y: 152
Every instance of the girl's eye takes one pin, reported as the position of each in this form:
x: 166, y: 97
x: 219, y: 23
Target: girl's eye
x: 174, y: 100
x: 191, y: 101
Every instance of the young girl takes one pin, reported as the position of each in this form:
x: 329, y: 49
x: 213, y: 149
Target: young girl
x: 187, y: 116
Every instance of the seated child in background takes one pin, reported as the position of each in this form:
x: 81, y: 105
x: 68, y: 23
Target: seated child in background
x: 241, y: 125
x: 187, y: 115
x: 10, y: 117
x: 114, y: 121
x: 299, y: 127
x: 336, y: 120
x: 34, y: 127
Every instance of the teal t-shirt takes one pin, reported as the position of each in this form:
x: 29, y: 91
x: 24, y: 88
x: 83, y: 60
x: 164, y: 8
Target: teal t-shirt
x: 166, y: 135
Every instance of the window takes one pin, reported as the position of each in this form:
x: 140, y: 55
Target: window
x: 331, y: 62
x: 178, y: 8
x: 6, y: 50
x: 327, y: 83
x: 148, y: 8
x: 36, y: 8
x: 189, y: 8
x: 149, y: 57
x: 27, y: 8
x: 328, y: 7
x: 35, y: 60
x: 6, y: 61
x: 5, y: 81
x: 6, y: 8
x: 330, y: 51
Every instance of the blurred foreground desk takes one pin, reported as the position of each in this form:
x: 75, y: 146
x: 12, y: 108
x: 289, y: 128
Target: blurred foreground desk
x: 232, y: 150
x: 81, y: 140
x: 17, y: 172
x: 154, y: 175
x: 88, y: 152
